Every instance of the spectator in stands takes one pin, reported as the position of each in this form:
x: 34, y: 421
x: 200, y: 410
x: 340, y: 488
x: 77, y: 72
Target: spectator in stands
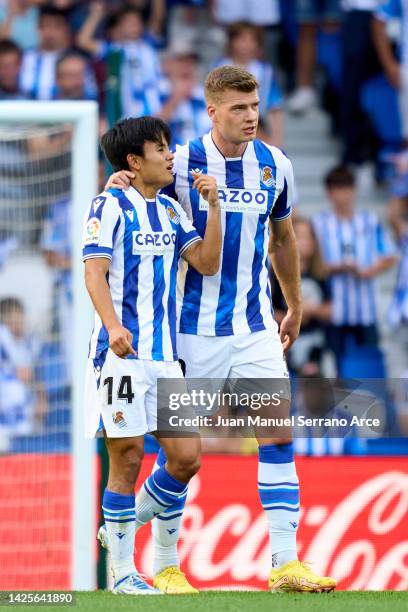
x: 132, y: 61
x: 38, y: 67
x: 71, y: 75
x: 360, y: 62
x: 357, y: 249
x: 396, y: 69
x: 310, y: 14
x: 182, y: 96
x: 10, y: 64
x: 265, y: 14
x: 245, y: 45
x: 76, y: 12
x: 154, y: 13
x: 305, y: 357
x: 23, y: 402
x: 19, y: 22
x: 192, y: 22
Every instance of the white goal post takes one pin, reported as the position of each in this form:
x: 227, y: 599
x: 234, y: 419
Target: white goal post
x: 83, y: 115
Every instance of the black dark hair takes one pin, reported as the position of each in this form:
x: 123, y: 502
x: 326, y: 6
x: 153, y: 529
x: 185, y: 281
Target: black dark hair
x: 8, y: 46
x: 339, y: 176
x: 52, y: 11
x: 9, y: 304
x: 129, y: 136
x: 118, y: 15
x: 235, y: 30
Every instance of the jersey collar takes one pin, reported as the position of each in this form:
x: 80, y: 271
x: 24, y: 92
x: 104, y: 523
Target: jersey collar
x: 208, y: 141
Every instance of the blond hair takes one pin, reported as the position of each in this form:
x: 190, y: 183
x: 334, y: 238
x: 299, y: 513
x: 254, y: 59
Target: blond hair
x: 228, y: 77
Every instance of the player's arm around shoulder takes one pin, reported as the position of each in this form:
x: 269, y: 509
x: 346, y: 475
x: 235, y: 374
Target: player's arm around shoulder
x: 205, y: 255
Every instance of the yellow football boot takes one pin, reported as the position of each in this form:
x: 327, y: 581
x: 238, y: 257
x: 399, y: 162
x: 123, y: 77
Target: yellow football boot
x: 172, y: 581
x: 298, y: 577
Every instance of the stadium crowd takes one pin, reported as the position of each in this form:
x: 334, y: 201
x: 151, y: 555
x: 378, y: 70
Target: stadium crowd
x: 149, y: 57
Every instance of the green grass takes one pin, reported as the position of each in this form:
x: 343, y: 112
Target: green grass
x: 395, y: 601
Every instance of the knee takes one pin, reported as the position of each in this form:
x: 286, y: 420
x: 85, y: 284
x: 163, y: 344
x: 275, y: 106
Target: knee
x: 132, y: 458
x: 186, y: 465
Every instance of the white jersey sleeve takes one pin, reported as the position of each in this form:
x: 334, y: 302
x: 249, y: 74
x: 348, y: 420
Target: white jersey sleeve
x: 284, y: 202
x: 101, y: 225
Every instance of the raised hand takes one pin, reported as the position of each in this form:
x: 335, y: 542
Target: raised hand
x: 207, y: 187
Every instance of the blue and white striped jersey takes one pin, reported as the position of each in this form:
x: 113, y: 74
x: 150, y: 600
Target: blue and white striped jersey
x: 362, y: 241
x: 270, y: 95
x: 252, y: 189
x: 140, y: 77
x: 398, y: 312
x: 143, y: 239
x: 37, y: 76
x: 17, y: 399
x: 190, y: 118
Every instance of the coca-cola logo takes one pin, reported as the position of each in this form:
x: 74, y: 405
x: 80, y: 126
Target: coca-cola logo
x: 384, y: 499
x: 361, y: 540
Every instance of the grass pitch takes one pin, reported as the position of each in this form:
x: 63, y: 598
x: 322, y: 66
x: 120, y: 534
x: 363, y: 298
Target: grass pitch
x: 222, y: 601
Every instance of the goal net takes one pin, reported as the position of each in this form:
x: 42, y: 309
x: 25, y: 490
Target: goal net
x: 47, y: 176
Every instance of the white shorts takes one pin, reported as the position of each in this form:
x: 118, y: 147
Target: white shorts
x: 121, y: 394
x: 254, y: 355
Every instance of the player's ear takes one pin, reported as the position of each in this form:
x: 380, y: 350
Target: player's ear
x: 133, y: 161
x: 211, y: 111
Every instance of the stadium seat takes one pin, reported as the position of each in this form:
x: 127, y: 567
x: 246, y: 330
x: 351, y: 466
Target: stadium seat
x: 362, y: 362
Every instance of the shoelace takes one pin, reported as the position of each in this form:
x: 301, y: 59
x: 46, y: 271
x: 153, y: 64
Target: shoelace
x: 306, y: 565
x: 138, y: 581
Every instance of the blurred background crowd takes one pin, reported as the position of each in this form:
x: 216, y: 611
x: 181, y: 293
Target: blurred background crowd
x: 333, y: 78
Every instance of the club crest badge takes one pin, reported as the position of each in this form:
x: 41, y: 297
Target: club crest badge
x: 119, y: 419
x: 172, y: 215
x: 267, y: 176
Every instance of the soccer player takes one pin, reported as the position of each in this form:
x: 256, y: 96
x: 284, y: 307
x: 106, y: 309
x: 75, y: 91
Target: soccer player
x: 225, y: 324
x: 131, y: 247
